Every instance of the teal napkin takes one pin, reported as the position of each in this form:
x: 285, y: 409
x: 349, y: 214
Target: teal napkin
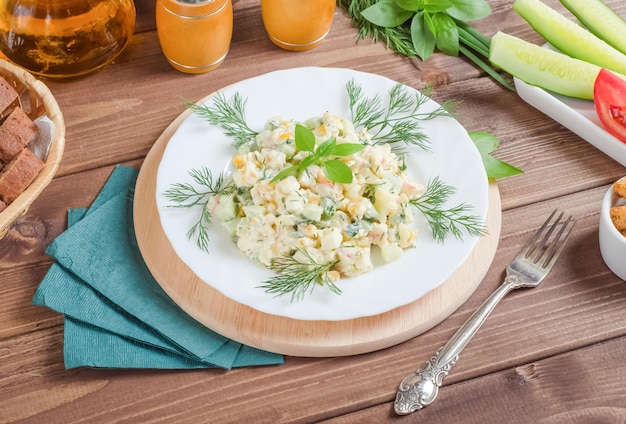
x: 116, y: 314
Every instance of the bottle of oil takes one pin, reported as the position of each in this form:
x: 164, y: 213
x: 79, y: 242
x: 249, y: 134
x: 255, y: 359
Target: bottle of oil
x: 65, y: 38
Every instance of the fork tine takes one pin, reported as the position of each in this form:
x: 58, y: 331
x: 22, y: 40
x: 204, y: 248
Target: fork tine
x: 558, y: 243
x: 532, y: 244
x: 543, y: 243
x: 549, y: 250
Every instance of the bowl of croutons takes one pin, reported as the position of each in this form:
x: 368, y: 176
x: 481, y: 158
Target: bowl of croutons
x: 612, y: 231
x: 32, y: 140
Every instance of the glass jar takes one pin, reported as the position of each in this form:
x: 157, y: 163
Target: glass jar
x: 65, y: 38
x: 195, y: 35
x: 297, y: 25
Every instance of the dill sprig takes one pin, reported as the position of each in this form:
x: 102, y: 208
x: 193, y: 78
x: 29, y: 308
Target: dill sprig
x: 397, y: 39
x: 186, y: 195
x: 445, y: 221
x: 398, y: 120
x: 229, y: 114
x: 298, y: 277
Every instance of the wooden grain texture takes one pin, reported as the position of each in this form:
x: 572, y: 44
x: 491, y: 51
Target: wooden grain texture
x: 571, y: 312
x: 553, y: 354
x: 556, y: 390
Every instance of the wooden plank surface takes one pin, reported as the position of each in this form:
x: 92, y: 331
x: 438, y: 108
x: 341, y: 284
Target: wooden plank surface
x: 558, y: 389
x: 548, y: 355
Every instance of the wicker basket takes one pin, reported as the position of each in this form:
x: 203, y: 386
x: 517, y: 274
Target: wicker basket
x: 37, y: 100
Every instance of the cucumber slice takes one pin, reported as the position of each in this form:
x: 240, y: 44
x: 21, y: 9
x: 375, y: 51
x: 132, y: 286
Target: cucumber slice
x: 543, y: 67
x: 600, y: 19
x: 569, y: 37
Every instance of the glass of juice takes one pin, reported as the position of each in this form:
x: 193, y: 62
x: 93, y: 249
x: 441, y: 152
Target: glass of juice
x: 195, y: 35
x: 297, y: 25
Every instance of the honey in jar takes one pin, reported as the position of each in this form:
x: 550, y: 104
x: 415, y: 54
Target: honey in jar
x: 195, y: 35
x: 297, y: 25
x: 65, y: 38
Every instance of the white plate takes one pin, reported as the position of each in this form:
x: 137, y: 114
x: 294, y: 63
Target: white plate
x: 300, y: 94
x: 578, y: 115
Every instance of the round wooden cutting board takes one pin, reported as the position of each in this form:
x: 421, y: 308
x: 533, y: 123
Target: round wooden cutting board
x: 290, y: 336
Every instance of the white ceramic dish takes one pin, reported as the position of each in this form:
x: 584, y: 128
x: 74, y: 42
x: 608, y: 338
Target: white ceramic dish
x: 300, y: 94
x: 612, y: 242
x: 578, y: 115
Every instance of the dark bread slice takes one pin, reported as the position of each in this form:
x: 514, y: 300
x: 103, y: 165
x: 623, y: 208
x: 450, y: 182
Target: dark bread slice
x: 8, y: 95
x: 15, y: 133
x: 17, y: 175
x: 3, y: 206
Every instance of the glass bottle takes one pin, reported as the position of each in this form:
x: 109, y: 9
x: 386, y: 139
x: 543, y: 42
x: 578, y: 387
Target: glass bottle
x: 195, y: 35
x: 297, y: 25
x: 65, y: 38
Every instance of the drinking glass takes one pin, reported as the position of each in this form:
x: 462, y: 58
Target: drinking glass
x: 195, y: 35
x: 297, y: 25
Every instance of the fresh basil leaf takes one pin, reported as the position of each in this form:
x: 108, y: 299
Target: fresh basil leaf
x: 434, y: 6
x: 338, y: 171
x: 285, y: 173
x: 308, y: 161
x: 469, y: 10
x: 421, y: 36
x: 484, y: 142
x: 447, y: 34
x: 347, y: 149
x: 495, y: 168
x: 327, y: 148
x: 431, y: 6
x: 386, y: 13
x: 412, y: 5
x: 305, y: 139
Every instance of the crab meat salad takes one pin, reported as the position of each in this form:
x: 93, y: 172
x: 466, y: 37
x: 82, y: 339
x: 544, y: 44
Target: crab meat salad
x: 285, y: 205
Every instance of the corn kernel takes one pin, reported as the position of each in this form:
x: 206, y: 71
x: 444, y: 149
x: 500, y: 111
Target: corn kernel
x: 238, y: 160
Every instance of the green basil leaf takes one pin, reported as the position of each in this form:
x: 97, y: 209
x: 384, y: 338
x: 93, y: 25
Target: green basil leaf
x: 386, y: 13
x: 412, y: 5
x: 434, y: 6
x: 338, y: 171
x: 431, y: 6
x: 327, y: 148
x: 421, y: 36
x: 285, y: 173
x: 447, y: 34
x: 347, y: 149
x: 495, y: 168
x: 469, y: 10
x: 484, y: 142
x: 305, y: 139
x: 308, y: 161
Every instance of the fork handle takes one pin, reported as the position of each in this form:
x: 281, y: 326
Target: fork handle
x: 420, y: 388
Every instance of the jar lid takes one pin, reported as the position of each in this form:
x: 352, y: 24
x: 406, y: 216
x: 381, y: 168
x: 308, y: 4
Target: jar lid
x: 194, y: 8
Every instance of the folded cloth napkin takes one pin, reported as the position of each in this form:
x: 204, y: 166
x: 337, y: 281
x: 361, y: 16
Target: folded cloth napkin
x: 116, y: 314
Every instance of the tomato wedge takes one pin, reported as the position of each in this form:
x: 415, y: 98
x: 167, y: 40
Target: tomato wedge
x: 609, y: 96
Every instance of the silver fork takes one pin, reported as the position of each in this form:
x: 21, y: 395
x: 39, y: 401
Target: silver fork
x: 528, y: 269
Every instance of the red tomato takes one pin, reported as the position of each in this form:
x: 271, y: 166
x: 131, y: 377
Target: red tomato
x: 609, y: 95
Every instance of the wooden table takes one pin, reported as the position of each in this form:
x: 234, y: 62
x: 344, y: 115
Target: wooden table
x: 554, y: 354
